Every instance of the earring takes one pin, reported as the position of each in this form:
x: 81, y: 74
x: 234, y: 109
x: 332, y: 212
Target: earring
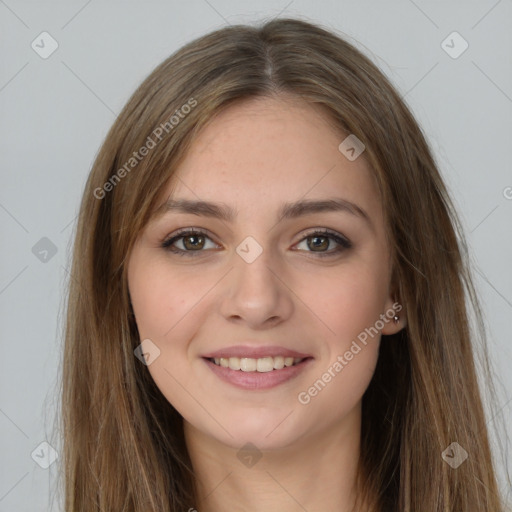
x: 396, y: 319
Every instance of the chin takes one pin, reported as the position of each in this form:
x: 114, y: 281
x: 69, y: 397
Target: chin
x: 263, y: 427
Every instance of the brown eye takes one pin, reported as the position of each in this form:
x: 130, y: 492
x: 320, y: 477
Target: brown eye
x: 192, y: 243
x: 319, y: 241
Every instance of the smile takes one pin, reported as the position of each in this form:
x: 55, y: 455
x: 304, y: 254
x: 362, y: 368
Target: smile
x: 257, y: 374
x: 262, y: 364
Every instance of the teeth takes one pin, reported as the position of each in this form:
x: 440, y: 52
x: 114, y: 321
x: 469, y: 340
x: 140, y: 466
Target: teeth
x: 262, y: 364
x: 234, y: 363
x: 278, y: 362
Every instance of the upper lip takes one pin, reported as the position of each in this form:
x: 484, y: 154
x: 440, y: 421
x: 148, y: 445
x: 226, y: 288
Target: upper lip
x: 255, y: 352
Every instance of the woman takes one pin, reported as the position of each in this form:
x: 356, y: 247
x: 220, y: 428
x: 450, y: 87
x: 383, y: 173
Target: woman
x: 268, y: 305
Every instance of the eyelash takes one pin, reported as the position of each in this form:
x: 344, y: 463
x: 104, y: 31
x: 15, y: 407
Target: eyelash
x: 343, y: 242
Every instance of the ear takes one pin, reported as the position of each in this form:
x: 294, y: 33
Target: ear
x: 394, y: 317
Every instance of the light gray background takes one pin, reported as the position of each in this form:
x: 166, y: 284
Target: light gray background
x: 55, y: 113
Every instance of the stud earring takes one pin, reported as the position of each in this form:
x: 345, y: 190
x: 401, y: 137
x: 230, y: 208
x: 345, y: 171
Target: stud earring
x: 396, y: 319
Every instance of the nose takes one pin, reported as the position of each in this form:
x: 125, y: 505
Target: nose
x: 255, y: 293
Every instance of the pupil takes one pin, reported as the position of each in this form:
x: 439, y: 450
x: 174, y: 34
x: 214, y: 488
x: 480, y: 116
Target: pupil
x: 192, y: 237
x: 316, y: 238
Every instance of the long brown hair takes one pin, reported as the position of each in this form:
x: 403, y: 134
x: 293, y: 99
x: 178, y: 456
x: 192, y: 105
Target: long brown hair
x: 123, y: 444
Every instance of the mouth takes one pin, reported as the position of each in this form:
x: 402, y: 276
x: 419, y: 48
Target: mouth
x: 261, y: 364
x: 258, y: 374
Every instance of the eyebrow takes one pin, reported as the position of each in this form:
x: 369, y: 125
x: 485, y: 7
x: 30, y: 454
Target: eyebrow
x: 288, y: 210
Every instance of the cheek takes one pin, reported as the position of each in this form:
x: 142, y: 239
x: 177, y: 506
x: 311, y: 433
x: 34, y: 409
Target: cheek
x: 160, y: 298
x: 350, y: 301
x: 165, y: 305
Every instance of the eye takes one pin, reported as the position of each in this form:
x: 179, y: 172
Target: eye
x: 192, y: 240
x: 321, y: 239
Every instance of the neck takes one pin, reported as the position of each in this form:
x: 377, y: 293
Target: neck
x: 317, y: 472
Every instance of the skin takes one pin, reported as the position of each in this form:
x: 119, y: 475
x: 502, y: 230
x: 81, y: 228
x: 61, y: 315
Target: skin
x: 254, y: 157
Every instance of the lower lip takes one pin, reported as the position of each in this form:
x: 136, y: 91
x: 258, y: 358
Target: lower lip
x: 258, y: 380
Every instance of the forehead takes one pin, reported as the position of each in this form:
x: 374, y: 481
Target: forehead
x: 265, y: 129
x: 267, y: 151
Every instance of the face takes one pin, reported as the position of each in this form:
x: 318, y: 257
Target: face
x: 306, y: 284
